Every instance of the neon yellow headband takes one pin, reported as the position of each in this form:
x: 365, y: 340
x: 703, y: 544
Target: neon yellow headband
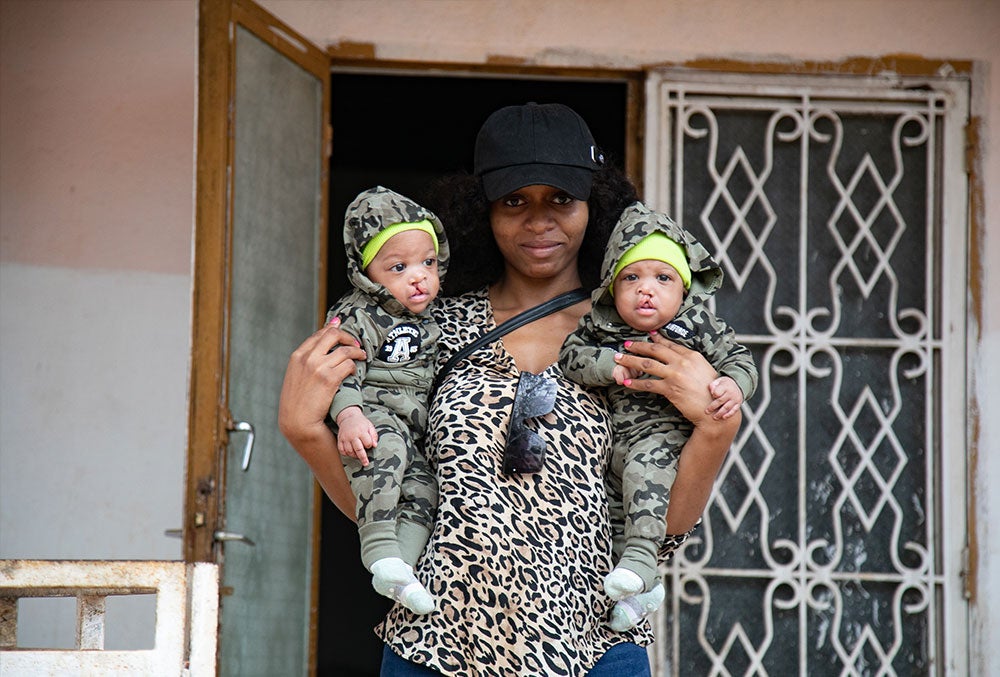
x: 376, y: 243
x: 656, y: 247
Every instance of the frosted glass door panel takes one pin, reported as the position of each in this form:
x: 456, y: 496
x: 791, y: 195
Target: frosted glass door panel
x: 277, y: 169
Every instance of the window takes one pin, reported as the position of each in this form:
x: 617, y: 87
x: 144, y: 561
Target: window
x: 837, y: 208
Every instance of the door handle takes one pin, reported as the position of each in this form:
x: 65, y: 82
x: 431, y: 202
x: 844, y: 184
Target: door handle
x: 244, y: 427
x: 225, y: 536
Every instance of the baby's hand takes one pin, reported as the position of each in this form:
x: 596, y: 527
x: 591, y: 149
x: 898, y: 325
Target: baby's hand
x: 726, y: 398
x: 355, y: 434
x: 622, y: 374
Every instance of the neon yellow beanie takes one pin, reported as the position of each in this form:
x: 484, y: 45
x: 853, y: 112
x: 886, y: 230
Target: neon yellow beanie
x: 371, y: 249
x: 655, y: 247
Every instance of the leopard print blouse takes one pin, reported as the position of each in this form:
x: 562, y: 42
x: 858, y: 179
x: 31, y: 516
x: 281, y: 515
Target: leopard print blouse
x: 516, y: 562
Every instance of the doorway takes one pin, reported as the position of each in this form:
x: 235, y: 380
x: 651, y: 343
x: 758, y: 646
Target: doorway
x: 404, y: 131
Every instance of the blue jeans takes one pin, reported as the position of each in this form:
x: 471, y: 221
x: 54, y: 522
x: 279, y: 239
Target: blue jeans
x: 621, y: 660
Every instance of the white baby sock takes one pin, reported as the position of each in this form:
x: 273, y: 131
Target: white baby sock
x: 622, y: 583
x: 394, y: 578
x: 630, y: 611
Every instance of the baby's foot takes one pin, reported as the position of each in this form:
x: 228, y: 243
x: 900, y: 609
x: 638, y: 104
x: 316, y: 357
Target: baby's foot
x: 629, y: 612
x: 394, y: 578
x: 622, y: 583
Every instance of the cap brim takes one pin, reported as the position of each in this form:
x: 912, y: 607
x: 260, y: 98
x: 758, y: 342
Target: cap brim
x: 576, y: 181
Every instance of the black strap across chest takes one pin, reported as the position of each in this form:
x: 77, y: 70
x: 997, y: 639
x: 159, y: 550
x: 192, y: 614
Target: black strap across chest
x: 530, y: 315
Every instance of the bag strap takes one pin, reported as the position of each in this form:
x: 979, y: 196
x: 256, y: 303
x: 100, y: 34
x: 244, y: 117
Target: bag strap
x: 530, y: 315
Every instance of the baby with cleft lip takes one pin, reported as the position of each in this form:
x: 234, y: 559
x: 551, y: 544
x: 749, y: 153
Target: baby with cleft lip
x: 656, y: 277
x: 396, y: 255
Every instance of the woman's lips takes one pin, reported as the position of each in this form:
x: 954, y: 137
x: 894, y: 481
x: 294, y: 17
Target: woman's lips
x: 541, y: 249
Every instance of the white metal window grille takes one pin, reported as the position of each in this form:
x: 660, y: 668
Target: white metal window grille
x: 837, y: 208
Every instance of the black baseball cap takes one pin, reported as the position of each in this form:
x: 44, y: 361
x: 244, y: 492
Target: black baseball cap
x: 547, y: 144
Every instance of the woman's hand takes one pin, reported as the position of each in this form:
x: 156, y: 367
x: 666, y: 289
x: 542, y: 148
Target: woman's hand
x: 314, y: 372
x: 680, y: 374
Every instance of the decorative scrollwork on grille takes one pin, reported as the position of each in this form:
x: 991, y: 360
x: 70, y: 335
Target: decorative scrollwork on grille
x: 818, y: 554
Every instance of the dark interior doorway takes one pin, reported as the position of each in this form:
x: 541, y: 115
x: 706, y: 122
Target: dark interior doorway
x: 403, y: 132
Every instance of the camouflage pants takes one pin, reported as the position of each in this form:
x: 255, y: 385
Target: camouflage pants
x: 396, y: 486
x: 640, y: 476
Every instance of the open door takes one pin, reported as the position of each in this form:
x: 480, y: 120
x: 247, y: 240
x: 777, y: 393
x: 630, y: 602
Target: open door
x: 259, y: 288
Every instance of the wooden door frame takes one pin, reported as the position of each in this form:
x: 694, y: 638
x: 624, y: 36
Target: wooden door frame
x: 210, y: 296
x: 209, y: 418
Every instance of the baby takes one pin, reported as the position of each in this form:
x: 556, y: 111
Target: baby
x: 396, y: 256
x: 655, y: 278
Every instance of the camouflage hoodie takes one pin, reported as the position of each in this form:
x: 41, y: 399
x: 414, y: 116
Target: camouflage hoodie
x: 401, y: 345
x: 582, y: 358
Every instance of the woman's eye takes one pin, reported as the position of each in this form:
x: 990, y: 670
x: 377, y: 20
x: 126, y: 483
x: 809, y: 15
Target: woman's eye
x: 563, y: 199
x: 513, y: 201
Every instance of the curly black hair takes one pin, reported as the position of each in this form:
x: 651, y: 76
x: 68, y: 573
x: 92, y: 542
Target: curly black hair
x: 475, y: 261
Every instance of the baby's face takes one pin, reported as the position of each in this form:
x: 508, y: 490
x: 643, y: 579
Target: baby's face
x: 407, y: 266
x: 648, y: 294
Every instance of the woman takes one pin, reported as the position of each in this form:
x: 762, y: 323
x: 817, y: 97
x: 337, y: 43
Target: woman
x: 517, y: 560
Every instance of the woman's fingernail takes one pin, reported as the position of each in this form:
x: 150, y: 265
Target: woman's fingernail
x: 628, y: 343
x: 627, y: 382
x: 652, y: 333
x: 334, y: 322
x: 618, y: 356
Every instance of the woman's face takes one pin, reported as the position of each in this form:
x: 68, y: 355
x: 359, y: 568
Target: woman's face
x: 539, y: 230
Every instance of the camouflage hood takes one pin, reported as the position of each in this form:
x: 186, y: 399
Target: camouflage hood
x: 636, y: 222
x: 371, y: 212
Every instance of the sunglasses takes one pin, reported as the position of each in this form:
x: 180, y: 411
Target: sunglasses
x: 525, y: 449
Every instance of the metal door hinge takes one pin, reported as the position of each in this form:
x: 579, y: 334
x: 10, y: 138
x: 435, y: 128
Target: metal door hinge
x: 968, y: 579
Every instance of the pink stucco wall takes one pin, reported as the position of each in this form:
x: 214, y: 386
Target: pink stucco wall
x: 97, y: 128
x: 645, y: 31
